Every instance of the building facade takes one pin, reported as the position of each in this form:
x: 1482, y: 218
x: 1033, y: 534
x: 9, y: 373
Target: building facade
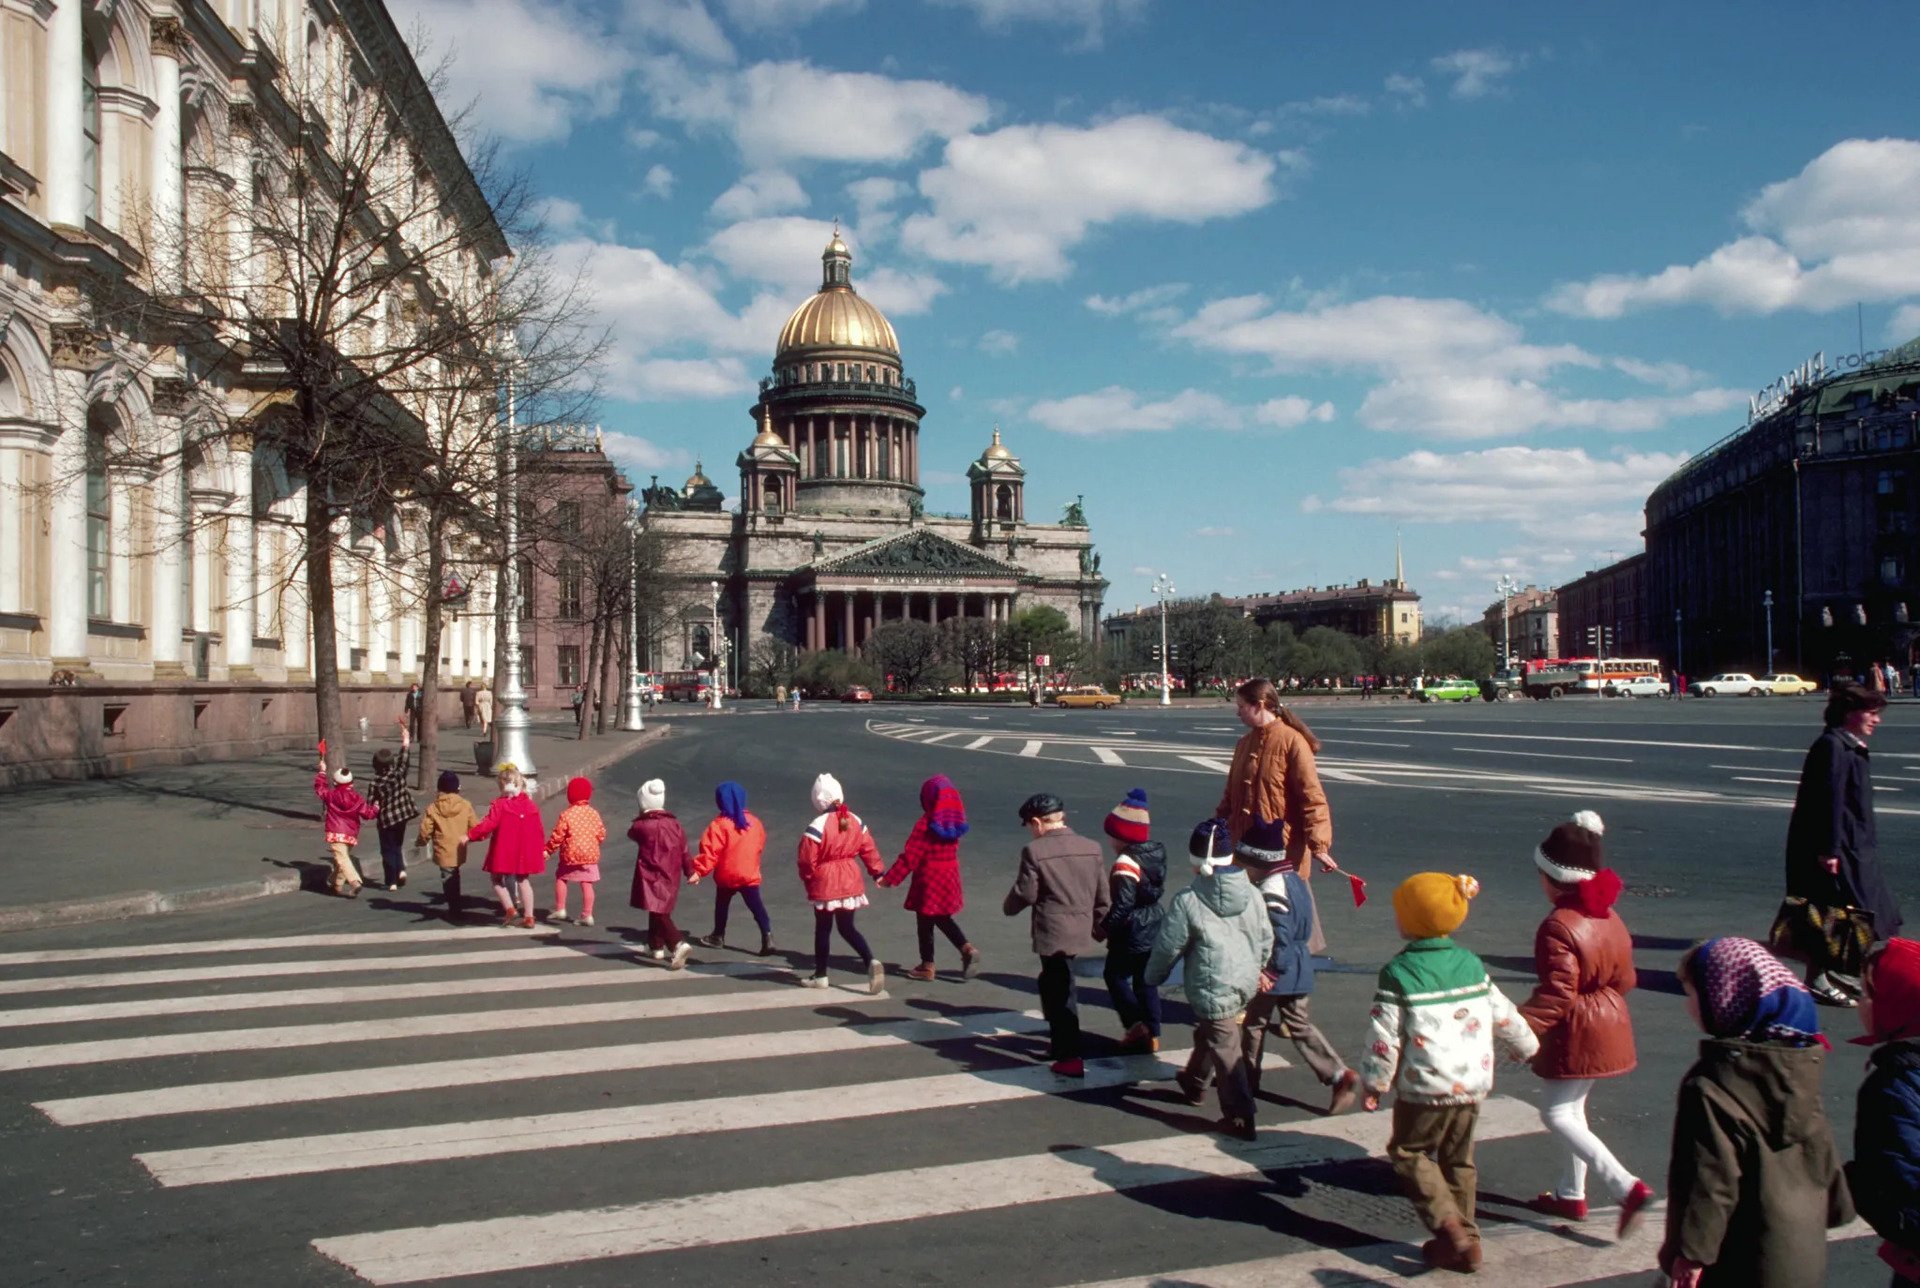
x: 1531, y: 629
x: 575, y: 519
x: 1367, y: 609
x: 831, y: 537
x: 1612, y: 600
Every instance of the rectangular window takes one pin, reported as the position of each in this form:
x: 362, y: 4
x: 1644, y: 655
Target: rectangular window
x: 525, y: 577
x: 570, y: 580
x: 90, y: 129
x: 567, y: 665
x: 99, y: 529
x: 566, y: 517
x: 526, y: 667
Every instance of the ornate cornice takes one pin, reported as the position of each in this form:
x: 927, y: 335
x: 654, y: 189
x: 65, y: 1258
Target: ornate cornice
x: 75, y: 346
x: 169, y: 36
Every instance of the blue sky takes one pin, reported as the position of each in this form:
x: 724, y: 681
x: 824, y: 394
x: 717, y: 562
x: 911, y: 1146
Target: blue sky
x: 1266, y: 282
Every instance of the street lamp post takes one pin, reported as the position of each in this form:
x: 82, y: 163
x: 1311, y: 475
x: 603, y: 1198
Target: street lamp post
x: 631, y: 719
x: 1679, y: 645
x: 719, y: 647
x: 1505, y: 588
x: 1163, y: 591
x: 1766, y: 602
x: 510, y: 746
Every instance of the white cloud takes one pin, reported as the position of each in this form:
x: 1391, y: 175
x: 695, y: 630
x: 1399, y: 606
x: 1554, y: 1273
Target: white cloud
x: 658, y: 182
x: 1410, y: 91
x: 1292, y: 411
x: 763, y: 192
x: 642, y: 455
x: 1212, y: 533
x: 1118, y: 410
x: 783, y: 250
x: 1667, y: 375
x: 1018, y: 199
x: 956, y: 394
x: 1146, y: 300
x: 873, y: 201
x: 1904, y: 325
x: 1476, y: 73
x: 999, y: 342
x: 1327, y: 105
x: 529, y: 70
x: 683, y: 26
x: 1460, y: 407
x: 1845, y: 229
x: 897, y: 293
x: 766, y: 15
x: 1090, y: 16
x: 641, y: 139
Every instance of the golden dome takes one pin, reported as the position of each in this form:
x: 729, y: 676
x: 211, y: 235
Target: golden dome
x: 766, y: 437
x: 998, y: 450
x: 836, y: 317
x: 699, y: 479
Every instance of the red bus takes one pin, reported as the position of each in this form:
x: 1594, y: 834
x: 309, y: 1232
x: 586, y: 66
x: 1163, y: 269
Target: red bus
x: 686, y: 686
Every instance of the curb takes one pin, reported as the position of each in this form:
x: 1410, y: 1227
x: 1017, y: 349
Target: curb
x: 149, y: 903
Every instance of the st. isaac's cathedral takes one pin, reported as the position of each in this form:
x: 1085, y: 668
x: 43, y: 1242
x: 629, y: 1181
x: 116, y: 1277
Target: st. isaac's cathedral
x: 831, y: 538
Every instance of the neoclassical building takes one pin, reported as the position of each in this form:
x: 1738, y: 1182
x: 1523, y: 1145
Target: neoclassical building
x: 831, y: 538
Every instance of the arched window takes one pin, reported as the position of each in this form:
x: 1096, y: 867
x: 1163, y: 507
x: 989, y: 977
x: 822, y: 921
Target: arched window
x: 1003, y: 504
x: 99, y: 519
x: 90, y: 126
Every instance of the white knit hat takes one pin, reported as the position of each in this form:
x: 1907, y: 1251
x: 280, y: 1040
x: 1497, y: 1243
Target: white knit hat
x: 343, y: 775
x: 827, y: 793
x: 653, y: 795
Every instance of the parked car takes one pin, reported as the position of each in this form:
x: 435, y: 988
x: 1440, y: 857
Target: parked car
x: 1451, y: 690
x: 1087, y: 696
x: 1640, y: 686
x: 857, y: 693
x: 1783, y: 685
x: 1730, y: 684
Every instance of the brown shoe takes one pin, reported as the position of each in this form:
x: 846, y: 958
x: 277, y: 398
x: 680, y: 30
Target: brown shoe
x: 1454, y: 1248
x: 1346, y: 1088
x: 969, y: 960
x: 924, y: 972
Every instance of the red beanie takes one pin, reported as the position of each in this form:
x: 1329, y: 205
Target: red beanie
x: 579, y: 791
x: 1128, y: 822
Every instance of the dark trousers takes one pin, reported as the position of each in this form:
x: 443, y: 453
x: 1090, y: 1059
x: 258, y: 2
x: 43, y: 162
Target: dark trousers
x: 1059, y: 1005
x: 662, y: 934
x: 393, y: 852
x: 1216, y: 1058
x: 450, y: 889
x: 466, y: 715
x: 924, y: 926
x: 1431, y: 1150
x: 824, y: 924
x: 1134, y: 1000
x: 749, y: 895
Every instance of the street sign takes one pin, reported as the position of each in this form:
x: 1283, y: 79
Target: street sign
x: 1044, y: 659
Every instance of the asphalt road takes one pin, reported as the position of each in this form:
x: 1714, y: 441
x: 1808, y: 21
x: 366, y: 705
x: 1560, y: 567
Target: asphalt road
x: 246, y: 1096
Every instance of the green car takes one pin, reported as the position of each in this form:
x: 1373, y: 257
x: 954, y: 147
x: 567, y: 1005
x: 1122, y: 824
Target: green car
x: 1449, y: 691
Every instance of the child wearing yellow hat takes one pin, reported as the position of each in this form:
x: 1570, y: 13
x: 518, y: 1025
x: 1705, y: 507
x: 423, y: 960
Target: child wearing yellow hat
x: 1437, y: 1018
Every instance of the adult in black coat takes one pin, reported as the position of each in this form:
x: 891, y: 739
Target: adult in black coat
x: 1833, y: 857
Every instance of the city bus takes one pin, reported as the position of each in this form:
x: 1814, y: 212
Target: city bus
x: 686, y: 686
x: 1561, y: 677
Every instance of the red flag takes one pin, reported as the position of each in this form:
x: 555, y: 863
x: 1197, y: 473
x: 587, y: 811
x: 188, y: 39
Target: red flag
x: 323, y: 746
x: 1359, y: 890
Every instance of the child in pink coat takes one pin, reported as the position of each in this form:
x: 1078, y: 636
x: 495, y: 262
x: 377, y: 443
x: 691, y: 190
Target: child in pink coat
x: 346, y: 809
x: 518, y: 852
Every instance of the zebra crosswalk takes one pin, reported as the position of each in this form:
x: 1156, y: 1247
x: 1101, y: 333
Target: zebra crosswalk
x: 719, y: 1121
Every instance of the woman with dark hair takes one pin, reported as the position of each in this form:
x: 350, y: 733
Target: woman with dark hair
x: 1273, y: 803
x: 1833, y: 858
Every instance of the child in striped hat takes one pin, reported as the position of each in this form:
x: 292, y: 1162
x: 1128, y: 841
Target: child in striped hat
x: 1134, y: 884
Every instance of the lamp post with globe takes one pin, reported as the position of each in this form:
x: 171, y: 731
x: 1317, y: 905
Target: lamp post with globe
x: 510, y: 727
x: 1163, y: 591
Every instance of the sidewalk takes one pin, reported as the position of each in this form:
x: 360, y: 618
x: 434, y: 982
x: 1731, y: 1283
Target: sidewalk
x: 197, y: 836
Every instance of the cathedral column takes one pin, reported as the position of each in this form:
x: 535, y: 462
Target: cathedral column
x: 818, y: 623
x: 846, y: 620
x: 867, y: 619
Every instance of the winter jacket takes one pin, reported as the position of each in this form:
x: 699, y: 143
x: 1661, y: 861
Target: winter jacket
x: 1220, y: 929
x: 1436, y: 1021
x: 1135, y: 912
x: 1289, y: 905
x: 390, y: 794
x: 1833, y: 815
x: 1273, y: 777
x: 935, y: 866
x: 446, y: 824
x: 577, y: 836
x: 346, y: 809
x: 732, y: 855
x: 1754, y: 1181
x: 519, y: 837
x: 660, y: 863
x: 833, y: 849
x: 1885, y: 1172
x: 1579, y: 1008
x: 1063, y: 878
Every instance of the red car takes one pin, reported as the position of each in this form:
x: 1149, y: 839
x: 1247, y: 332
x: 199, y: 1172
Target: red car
x: 858, y: 693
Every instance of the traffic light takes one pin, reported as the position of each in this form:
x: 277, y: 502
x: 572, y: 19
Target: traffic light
x: 1593, y: 639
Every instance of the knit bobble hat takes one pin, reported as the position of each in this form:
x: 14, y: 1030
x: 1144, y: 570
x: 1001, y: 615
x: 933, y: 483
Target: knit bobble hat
x: 653, y: 795
x: 1572, y: 852
x: 343, y: 776
x: 827, y: 793
x: 1128, y: 822
x: 1430, y: 904
x: 449, y: 781
x: 1264, y: 841
x: 1211, y: 845
x: 579, y: 791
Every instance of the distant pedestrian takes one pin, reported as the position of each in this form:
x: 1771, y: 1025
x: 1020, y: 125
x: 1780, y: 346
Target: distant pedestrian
x: 1217, y: 929
x: 833, y: 850
x: 469, y: 698
x: 579, y: 701
x: 730, y: 849
x: 576, y: 839
x: 483, y: 707
x: 1584, y: 958
x: 393, y: 798
x: 1754, y: 1182
x: 658, y: 867
x: 412, y: 708
x: 345, y: 809
x: 1884, y: 1175
x: 1135, y: 883
x: 1062, y: 877
x: 1437, y: 1023
x: 518, y: 851
x: 1273, y: 787
x: 931, y: 857
x: 445, y: 826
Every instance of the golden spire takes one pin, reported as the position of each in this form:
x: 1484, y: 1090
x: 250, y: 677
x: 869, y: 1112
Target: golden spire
x: 766, y: 437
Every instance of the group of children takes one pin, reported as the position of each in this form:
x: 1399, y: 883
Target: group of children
x: 1754, y: 1180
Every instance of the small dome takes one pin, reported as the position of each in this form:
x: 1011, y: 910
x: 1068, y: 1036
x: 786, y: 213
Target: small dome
x: 698, y: 480
x: 997, y: 451
x: 836, y: 317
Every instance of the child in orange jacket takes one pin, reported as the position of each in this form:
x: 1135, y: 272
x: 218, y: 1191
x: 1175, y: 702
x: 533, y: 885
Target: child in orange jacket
x: 577, y: 836
x: 730, y: 849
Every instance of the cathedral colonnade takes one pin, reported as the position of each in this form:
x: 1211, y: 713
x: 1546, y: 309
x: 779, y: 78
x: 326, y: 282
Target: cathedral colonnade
x: 846, y: 618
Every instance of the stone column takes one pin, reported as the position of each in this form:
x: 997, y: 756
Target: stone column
x: 169, y: 540
x: 65, y: 113
x: 866, y: 620
x: 67, y: 509
x: 846, y: 620
x: 13, y: 564
x: 817, y: 623
x: 169, y: 173
x: 238, y: 628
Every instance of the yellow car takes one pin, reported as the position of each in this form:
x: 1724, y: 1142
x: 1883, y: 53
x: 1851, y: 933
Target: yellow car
x: 1086, y: 697
x: 1788, y: 686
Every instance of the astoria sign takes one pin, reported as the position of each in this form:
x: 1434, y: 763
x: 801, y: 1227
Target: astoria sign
x: 1810, y: 373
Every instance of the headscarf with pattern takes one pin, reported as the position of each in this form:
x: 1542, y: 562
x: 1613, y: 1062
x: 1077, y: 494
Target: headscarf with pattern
x: 946, y: 812
x: 1745, y: 992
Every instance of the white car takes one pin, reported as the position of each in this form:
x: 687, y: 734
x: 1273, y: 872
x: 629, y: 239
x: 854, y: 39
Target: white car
x: 1731, y: 684
x: 1640, y: 686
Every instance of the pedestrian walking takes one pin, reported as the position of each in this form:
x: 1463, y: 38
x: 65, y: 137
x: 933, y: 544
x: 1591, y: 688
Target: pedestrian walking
x: 393, y: 799
x: 1284, y: 1003
x: 445, y: 825
x: 659, y: 865
x: 411, y: 708
x: 1884, y: 1175
x: 343, y: 810
x: 1833, y: 855
x: 483, y: 708
x: 931, y: 857
x: 1273, y: 787
x: 1754, y: 1182
x: 1583, y: 956
x: 1062, y: 877
x: 576, y: 838
x: 1135, y: 883
x: 730, y: 849
x: 1217, y: 930
x: 469, y: 699
x: 833, y: 850
x: 518, y: 851
x: 1438, y: 1022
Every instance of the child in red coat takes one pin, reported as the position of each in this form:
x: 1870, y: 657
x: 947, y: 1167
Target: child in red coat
x: 346, y: 809
x: 518, y: 852
x: 932, y: 856
x: 577, y: 837
x: 835, y: 847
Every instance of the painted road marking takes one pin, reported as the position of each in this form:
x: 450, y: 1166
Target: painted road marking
x: 1214, y: 763
x: 941, y: 737
x: 1784, y: 782
x: 525, y: 1242
x: 1108, y: 756
x: 979, y: 742
x: 1539, y: 755
x: 424, y: 937
x: 1361, y: 742
x: 1032, y: 748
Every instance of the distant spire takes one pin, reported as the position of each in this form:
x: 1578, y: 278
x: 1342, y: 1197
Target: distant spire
x: 1399, y: 564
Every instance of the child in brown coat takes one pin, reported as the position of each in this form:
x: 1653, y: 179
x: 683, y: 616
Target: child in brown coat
x: 445, y: 826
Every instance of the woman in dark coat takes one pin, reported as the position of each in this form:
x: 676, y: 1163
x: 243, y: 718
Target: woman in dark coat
x: 1833, y: 859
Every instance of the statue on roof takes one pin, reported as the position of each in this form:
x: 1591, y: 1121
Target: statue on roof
x: 916, y: 509
x: 1076, y: 513
x: 819, y: 543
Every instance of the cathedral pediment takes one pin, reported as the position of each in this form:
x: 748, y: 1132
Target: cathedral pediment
x: 913, y: 553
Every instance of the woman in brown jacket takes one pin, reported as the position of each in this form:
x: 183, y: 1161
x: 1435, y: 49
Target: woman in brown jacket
x: 1584, y: 957
x: 1273, y: 800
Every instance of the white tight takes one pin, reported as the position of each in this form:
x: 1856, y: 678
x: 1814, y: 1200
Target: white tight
x: 1565, y: 1115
